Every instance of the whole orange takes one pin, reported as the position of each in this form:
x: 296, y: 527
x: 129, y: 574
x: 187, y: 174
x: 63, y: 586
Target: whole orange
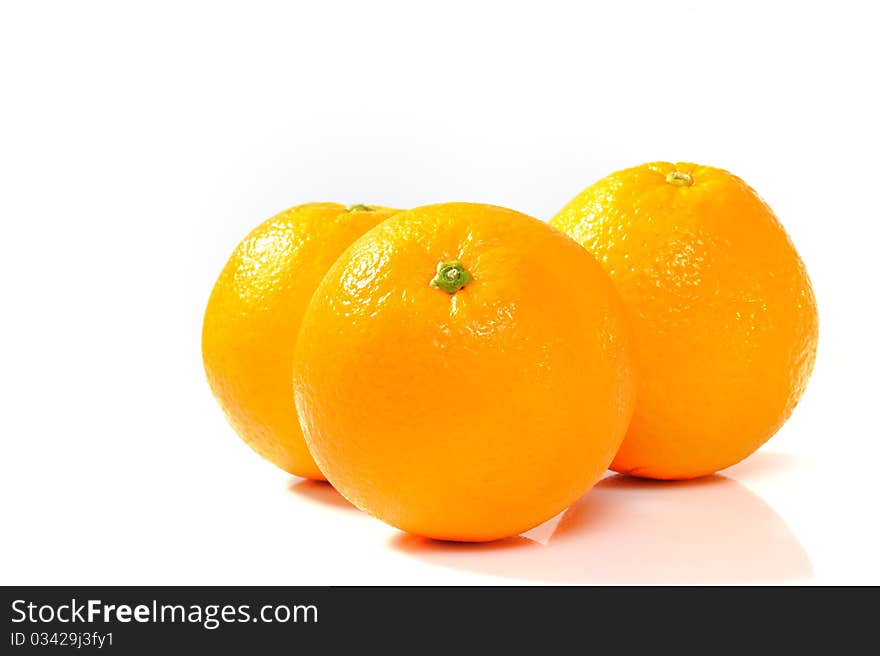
x: 253, y: 317
x: 724, y: 318
x: 463, y: 373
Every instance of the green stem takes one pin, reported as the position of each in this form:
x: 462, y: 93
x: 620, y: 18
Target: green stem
x: 359, y: 208
x: 451, y: 276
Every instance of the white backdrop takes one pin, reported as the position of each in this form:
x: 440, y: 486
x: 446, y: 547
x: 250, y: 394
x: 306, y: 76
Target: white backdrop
x: 139, y: 143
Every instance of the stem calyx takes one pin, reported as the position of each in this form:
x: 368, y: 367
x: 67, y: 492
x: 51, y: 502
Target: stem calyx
x: 451, y: 276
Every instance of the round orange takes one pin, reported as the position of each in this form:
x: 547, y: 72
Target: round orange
x: 724, y: 318
x: 463, y: 373
x: 253, y: 317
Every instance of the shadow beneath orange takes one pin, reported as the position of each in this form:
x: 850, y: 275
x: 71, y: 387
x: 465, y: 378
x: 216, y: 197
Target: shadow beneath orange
x: 320, y: 492
x: 417, y: 544
x: 627, y: 530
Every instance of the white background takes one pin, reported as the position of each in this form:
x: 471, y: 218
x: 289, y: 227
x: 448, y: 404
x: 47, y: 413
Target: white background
x: 140, y: 142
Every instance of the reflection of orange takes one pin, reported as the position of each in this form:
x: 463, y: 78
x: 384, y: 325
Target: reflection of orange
x: 635, y: 531
x: 708, y: 530
x: 463, y: 372
x: 724, y: 316
x: 253, y: 316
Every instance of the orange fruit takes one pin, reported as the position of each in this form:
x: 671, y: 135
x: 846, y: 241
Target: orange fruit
x: 462, y: 372
x: 253, y: 316
x: 724, y: 318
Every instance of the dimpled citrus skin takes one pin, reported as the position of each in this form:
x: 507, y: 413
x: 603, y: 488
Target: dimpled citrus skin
x: 473, y: 415
x: 253, y: 317
x: 723, y: 313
